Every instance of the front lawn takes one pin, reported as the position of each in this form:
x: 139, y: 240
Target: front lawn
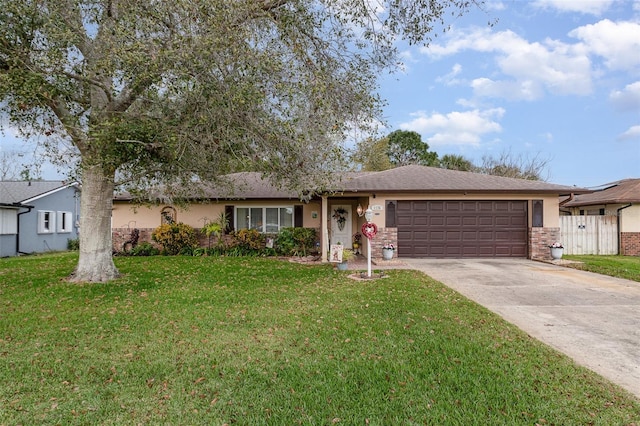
x: 213, y: 341
x: 616, y: 266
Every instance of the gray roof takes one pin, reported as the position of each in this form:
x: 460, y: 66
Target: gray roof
x: 432, y: 179
x: 620, y: 192
x: 408, y: 179
x: 17, y: 192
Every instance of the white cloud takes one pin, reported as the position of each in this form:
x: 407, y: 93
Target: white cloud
x: 451, y: 79
x: 530, y: 68
x: 617, y: 42
x: 495, y: 5
x: 592, y: 7
x: 528, y: 90
x: 633, y: 133
x: 627, y: 99
x: 455, y: 128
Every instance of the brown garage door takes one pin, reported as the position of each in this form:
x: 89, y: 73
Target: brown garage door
x: 462, y: 228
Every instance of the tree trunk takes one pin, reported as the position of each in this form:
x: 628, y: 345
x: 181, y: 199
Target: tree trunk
x: 96, y: 262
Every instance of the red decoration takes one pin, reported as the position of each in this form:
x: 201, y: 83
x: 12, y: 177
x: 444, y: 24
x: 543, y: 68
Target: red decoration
x: 369, y: 230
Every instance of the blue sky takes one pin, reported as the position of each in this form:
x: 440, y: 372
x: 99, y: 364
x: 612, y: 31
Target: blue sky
x: 556, y: 79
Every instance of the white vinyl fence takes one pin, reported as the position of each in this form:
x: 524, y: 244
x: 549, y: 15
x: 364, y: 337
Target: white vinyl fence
x: 589, y: 234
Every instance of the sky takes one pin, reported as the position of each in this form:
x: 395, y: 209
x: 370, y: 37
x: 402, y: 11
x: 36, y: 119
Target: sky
x: 557, y: 80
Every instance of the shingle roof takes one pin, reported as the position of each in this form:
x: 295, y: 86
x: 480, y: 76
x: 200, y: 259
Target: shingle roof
x: 251, y: 185
x: 420, y: 178
x: 620, y: 192
x: 12, y: 192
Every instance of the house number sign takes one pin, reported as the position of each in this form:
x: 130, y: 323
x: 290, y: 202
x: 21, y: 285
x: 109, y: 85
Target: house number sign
x: 369, y: 230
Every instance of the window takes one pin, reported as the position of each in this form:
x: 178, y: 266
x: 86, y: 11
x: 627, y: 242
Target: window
x: 264, y: 219
x: 46, y: 222
x: 390, y: 216
x: 64, y: 221
x: 537, y: 215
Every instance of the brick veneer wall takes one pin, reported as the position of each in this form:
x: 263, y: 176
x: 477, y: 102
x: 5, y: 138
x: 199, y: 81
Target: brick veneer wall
x: 630, y: 243
x: 384, y: 236
x: 119, y: 236
x: 539, y: 241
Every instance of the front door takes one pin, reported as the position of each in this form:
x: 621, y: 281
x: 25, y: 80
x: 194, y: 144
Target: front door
x: 341, y: 221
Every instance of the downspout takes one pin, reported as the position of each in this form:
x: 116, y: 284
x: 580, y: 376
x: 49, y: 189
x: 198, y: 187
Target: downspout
x: 18, y: 226
x: 562, y: 203
x: 619, y: 230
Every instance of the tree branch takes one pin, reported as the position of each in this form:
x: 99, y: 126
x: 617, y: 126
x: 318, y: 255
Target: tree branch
x: 66, y: 118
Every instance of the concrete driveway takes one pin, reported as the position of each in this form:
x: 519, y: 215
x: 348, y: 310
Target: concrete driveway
x: 592, y: 318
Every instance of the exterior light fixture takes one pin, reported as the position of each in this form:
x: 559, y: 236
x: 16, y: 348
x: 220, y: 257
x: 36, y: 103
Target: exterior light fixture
x: 359, y: 210
x: 368, y: 215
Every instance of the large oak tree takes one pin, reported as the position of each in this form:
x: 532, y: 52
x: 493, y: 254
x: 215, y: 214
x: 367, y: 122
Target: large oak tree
x: 183, y: 91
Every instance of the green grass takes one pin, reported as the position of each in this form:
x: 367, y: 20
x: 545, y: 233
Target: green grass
x: 616, y: 266
x: 211, y: 341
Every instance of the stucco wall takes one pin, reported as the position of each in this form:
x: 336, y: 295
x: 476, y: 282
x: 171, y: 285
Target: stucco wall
x: 630, y: 219
x: 125, y: 215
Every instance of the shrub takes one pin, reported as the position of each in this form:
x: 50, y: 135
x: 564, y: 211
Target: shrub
x: 73, y: 245
x: 247, y: 242
x: 144, y: 249
x: 285, y: 243
x: 295, y: 241
x: 175, y: 238
x: 200, y: 251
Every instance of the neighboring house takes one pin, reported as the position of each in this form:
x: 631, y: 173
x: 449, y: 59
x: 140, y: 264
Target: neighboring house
x: 424, y: 211
x: 37, y: 216
x: 618, y: 199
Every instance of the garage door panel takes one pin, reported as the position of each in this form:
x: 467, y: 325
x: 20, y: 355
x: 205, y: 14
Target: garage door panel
x: 435, y: 236
x: 453, y: 251
x: 469, y: 207
x: 519, y: 221
x: 436, y: 220
x: 452, y: 206
x: 453, y: 221
x: 470, y: 221
x: 453, y: 235
x: 420, y: 221
x: 403, y: 221
x: 462, y: 228
x: 420, y: 206
x: 485, y: 221
x: 420, y: 235
x: 502, y: 220
x: 436, y: 206
x: 470, y: 236
x: 435, y: 251
x: 484, y: 206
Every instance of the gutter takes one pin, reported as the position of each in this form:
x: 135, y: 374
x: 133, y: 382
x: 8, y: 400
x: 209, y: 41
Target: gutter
x: 572, y: 196
x: 619, y: 236
x: 18, y: 226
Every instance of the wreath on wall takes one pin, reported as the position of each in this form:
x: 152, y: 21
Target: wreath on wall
x: 340, y: 215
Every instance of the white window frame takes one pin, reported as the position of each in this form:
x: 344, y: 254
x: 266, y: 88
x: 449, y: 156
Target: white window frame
x: 65, y: 222
x: 46, y: 222
x: 264, y: 217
